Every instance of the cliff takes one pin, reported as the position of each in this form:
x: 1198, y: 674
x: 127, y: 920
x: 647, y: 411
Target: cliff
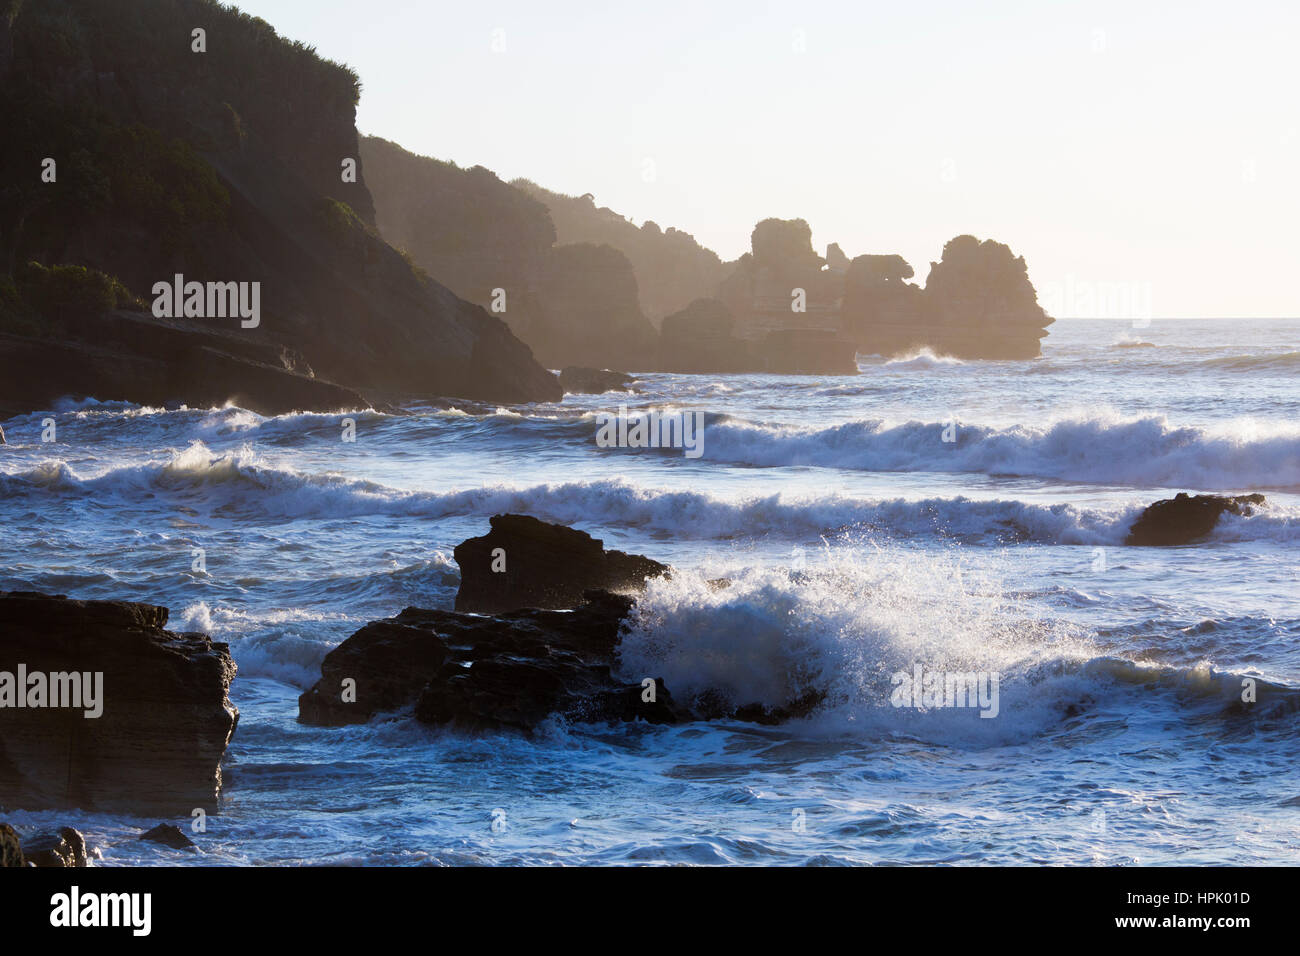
x: 494, y: 244
x: 230, y: 164
x: 672, y: 269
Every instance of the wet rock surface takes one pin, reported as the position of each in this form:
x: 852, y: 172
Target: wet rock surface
x: 1185, y: 519
x: 164, y: 718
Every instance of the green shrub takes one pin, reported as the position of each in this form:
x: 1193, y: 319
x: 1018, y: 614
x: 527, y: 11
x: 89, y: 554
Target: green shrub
x: 64, y: 291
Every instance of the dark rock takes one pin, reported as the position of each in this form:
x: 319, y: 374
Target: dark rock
x: 593, y: 381
x: 11, y: 848
x: 513, y: 670
x: 518, y: 667
x: 63, y: 849
x: 168, y: 835
x: 390, y: 662
x: 134, y: 358
x: 1185, y: 518
x: 545, y: 566
x: 166, y: 717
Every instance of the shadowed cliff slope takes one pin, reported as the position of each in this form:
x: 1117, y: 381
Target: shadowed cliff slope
x: 228, y: 163
x: 494, y: 244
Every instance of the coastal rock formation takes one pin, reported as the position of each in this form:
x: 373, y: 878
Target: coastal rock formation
x: 1186, y: 518
x: 11, y: 848
x: 168, y: 835
x: 67, y: 848
x: 164, y: 717
x: 524, y: 562
x: 780, y: 308
x: 575, y: 303
x: 882, y: 311
x: 699, y: 339
x: 671, y: 268
x: 388, y: 663
x: 590, y: 314
x: 977, y: 303
x: 513, y: 670
x: 576, y: 380
x: 981, y: 304
x: 780, y: 283
x: 785, y: 300
x: 131, y: 356
x: 237, y: 166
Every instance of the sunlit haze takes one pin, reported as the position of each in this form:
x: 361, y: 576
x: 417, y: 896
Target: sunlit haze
x: 1146, y: 149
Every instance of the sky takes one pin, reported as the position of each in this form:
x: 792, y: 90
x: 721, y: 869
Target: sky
x: 1144, y: 157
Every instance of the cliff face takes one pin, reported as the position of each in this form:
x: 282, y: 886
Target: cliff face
x: 780, y: 284
x: 465, y: 227
x: 494, y: 244
x: 672, y: 269
x: 229, y: 165
x: 591, y: 314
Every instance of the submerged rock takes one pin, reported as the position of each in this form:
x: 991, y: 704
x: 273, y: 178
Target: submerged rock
x: 524, y: 562
x: 67, y: 848
x: 513, y: 670
x: 1186, y: 518
x: 145, y: 717
x: 577, y: 380
x: 168, y: 835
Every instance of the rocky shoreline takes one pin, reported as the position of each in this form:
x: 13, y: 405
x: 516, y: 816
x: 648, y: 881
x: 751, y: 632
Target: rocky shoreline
x: 534, y: 634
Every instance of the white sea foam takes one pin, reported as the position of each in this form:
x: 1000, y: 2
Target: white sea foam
x: 244, y: 482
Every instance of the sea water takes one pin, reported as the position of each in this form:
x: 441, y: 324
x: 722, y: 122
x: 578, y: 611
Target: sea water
x: 962, y: 517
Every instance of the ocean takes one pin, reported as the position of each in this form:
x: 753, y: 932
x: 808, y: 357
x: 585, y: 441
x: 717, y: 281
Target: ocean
x: 958, y: 516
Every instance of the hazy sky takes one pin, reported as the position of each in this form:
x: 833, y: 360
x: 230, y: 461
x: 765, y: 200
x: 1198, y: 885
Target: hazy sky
x: 1140, y: 155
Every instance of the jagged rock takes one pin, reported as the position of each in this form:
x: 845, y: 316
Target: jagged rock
x: 527, y: 665
x: 11, y: 848
x: 168, y: 835
x: 388, y: 661
x: 67, y: 848
x: 982, y: 304
x: 836, y: 260
x: 166, y: 718
x: 978, y: 303
x: 513, y: 670
x: 785, y: 245
x: 541, y: 565
x: 1185, y: 518
x: 593, y: 381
